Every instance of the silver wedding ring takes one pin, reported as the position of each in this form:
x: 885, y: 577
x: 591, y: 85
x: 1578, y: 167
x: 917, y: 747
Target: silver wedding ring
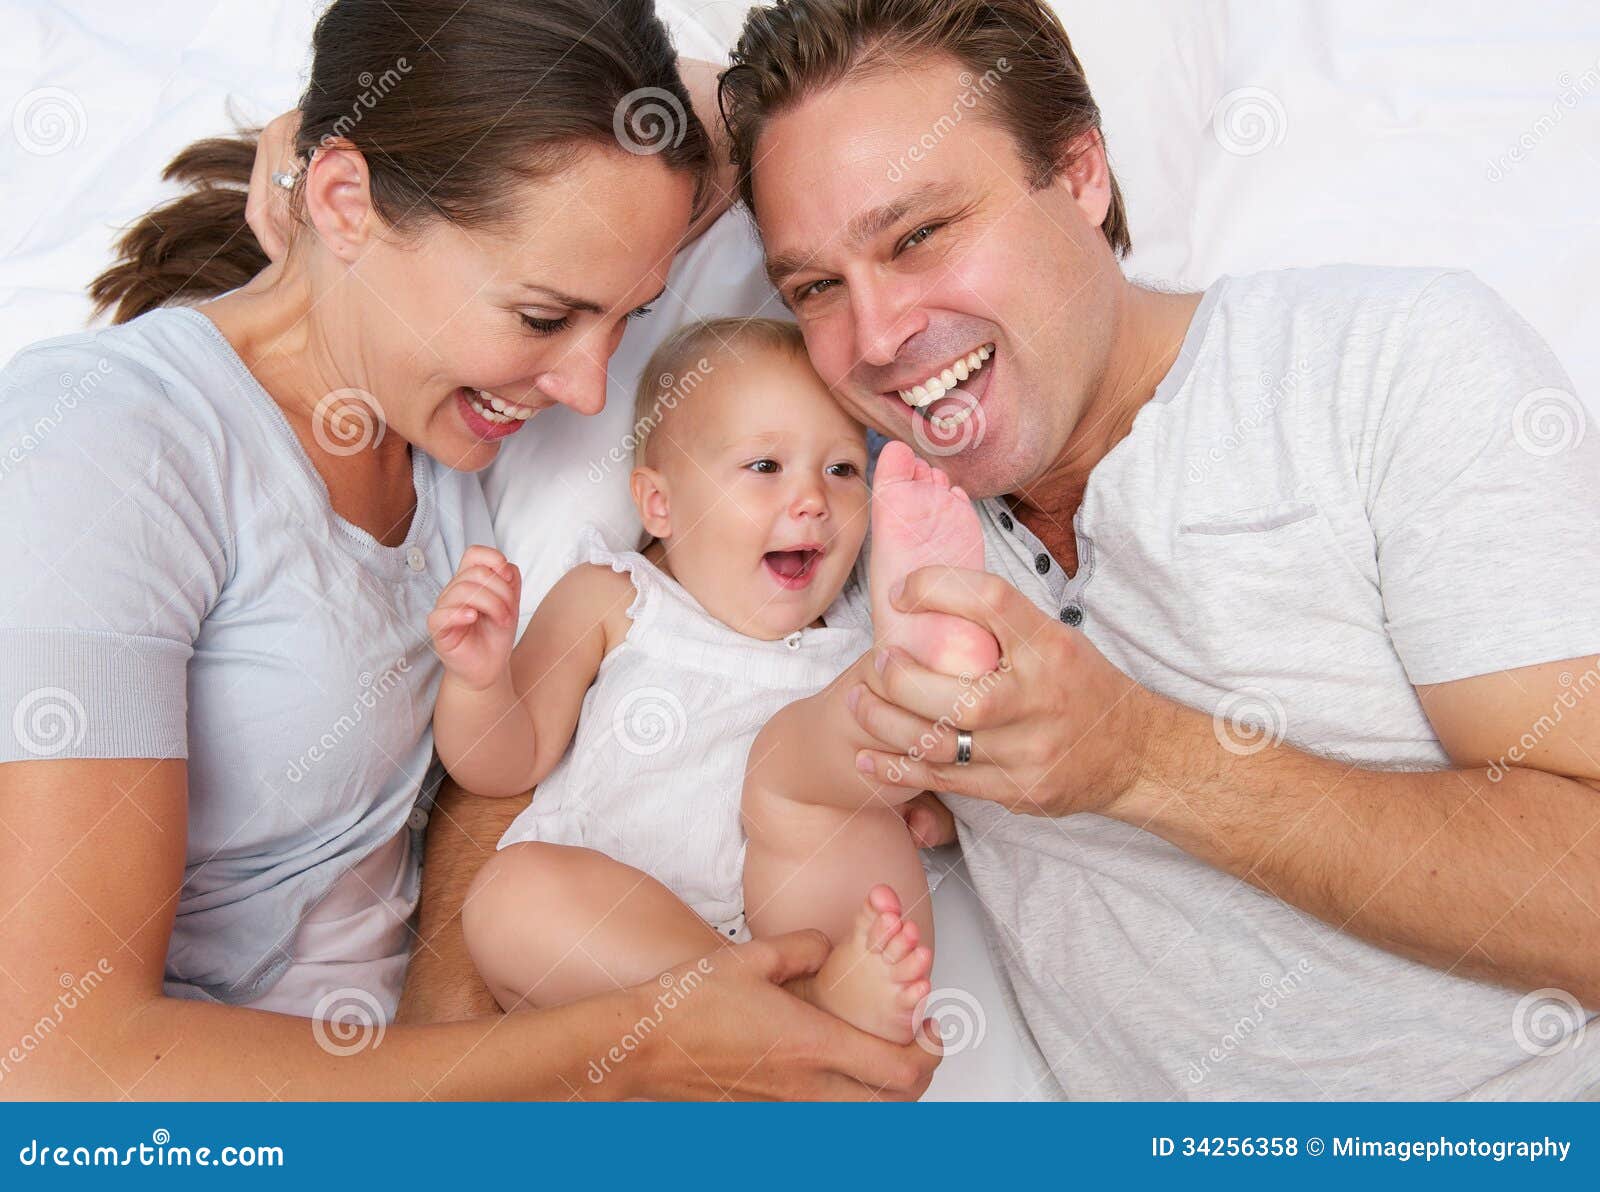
x: 963, y: 747
x: 284, y: 179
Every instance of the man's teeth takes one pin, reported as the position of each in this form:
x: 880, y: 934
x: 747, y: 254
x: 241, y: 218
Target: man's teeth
x: 946, y: 425
x: 492, y: 409
x: 937, y: 385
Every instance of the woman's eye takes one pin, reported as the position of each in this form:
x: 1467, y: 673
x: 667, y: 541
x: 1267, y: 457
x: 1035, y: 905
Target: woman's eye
x: 766, y: 467
x: 544, y: 326
x: 640, y: 312
x: 845, y: 469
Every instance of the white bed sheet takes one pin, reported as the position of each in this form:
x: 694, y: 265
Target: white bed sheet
x: 1247, y: 135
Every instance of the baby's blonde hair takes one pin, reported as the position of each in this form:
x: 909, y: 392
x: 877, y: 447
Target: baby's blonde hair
x: 688, y: 356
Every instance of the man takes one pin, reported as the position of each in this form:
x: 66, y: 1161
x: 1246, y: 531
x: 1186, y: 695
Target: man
x: 1291, y: 788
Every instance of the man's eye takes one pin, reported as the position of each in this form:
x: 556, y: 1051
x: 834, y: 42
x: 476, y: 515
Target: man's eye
x: 918, y: 236
x: 813, y: 288
x: 844, y: 469
x: 765, y: 467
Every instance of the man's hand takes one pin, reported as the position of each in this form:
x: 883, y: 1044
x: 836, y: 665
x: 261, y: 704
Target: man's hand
x: 1056, y: 728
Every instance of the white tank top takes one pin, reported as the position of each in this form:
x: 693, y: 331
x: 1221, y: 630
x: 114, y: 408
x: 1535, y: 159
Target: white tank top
x: 655, y: 770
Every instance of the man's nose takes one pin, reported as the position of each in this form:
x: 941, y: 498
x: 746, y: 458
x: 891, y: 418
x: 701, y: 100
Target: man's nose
x: 887, y: 312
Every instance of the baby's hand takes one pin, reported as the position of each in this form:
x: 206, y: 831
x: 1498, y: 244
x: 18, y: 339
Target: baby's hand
x: 474, y: 624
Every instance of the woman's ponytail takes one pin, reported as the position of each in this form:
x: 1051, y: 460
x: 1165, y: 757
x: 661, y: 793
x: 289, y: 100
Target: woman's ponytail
x: 194, y: 246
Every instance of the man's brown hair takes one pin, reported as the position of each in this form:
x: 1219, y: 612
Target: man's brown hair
x: 791, y: 48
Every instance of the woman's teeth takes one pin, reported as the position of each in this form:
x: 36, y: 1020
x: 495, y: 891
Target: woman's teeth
x: 937, y: 385
x: 492, y: 409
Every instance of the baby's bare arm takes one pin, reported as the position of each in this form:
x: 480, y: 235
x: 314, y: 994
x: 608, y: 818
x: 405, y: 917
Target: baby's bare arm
x: 502, y: 739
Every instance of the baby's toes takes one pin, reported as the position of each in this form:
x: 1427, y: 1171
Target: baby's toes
x: 903, y: 943
x: 882, y: 930
x: 913, y: 967
x: 909, y: 995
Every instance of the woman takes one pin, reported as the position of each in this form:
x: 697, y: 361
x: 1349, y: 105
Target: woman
x: 227, y: 525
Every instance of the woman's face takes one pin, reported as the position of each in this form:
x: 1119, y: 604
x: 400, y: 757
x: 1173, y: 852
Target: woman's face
x: 466, y: 334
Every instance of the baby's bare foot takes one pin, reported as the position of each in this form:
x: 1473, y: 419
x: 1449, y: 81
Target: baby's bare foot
x: 875, y: 978
x: 918, y: 520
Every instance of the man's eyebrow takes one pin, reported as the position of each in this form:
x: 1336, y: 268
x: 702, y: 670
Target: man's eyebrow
x: 865, y: 227
x: 584, y: 304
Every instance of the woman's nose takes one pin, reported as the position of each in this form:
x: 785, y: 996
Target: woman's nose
x: 578, y: 382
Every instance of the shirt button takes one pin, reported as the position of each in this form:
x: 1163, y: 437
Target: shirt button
x: 1072, y: 615
x: 415, y: 559
x: 1005, y: 520
x: 417, y: 820
x: 1041, y: 564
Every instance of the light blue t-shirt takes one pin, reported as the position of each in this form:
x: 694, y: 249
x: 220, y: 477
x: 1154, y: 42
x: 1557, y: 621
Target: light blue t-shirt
x: 176, y: 584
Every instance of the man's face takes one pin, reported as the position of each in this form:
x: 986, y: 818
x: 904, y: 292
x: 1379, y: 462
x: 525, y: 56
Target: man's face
x: 900, y: 228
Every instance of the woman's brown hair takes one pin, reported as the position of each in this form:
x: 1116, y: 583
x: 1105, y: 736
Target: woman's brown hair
x: 451, y: 105
x: 1016, y: 48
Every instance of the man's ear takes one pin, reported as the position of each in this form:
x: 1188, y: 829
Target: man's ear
x: 338, y: 200
x: 1086, y: 174
x: 650, y: 498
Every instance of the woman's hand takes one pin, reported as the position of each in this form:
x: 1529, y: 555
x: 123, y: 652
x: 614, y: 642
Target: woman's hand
x: 1056, y: 728
x: 474, y: 623
x: 266, y: 209
x: 730, y: 1029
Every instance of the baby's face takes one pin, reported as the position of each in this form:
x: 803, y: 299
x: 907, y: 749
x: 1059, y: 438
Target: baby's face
x: 762, y: 501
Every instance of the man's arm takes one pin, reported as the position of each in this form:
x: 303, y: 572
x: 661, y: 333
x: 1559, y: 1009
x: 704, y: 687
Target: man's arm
x: 442, y: 984
x: 1491, y: 869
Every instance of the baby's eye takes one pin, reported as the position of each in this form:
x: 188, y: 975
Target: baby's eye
x: 843, y: 469
x: 766, y: 467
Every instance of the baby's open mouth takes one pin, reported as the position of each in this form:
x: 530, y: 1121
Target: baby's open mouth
x: 792, y: 568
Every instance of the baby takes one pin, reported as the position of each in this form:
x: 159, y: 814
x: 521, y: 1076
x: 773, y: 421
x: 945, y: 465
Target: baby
x: 682, y: 711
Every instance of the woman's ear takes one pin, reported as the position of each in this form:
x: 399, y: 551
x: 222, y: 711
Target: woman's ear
x: 338, y: 199
x: 650, y: 498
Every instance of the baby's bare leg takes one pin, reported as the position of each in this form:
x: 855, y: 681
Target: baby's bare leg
x: 548, y: 924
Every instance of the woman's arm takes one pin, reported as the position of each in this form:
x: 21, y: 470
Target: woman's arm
x: 89, y: 876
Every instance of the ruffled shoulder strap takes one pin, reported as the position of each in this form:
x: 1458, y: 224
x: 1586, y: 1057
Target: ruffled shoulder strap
x: 649, y: 584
